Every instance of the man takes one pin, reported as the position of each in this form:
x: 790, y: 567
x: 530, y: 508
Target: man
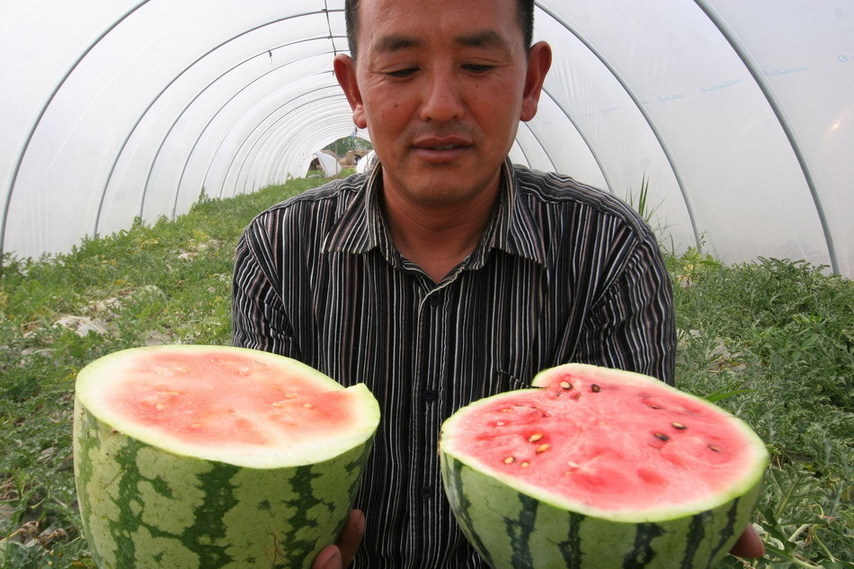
x: 445, y: 274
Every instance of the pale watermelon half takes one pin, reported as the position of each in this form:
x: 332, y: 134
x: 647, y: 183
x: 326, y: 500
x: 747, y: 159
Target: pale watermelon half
x: 210, y: 457
x: 600, y: 469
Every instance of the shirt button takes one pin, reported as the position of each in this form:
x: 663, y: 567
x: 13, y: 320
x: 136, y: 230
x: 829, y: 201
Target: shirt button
x: 430, y: 396
x: 426, y: 493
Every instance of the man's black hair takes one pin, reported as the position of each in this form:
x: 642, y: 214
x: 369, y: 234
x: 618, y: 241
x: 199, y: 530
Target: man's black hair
x: 525, y: 11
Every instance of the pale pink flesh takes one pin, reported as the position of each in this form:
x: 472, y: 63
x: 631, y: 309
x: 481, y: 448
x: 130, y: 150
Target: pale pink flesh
x: 215, y: 398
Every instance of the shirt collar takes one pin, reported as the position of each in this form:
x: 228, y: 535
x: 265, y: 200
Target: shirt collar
x: 512, y: 228
x: 357, y: 229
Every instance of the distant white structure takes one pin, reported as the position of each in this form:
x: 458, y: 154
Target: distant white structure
x: 328, y: 163
x: 366, y: 162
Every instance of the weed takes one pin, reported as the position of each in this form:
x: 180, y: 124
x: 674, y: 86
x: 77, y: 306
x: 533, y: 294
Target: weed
x: 640, y: 202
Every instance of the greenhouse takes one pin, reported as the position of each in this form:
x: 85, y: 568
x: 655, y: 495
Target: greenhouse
x: 727, y: 124
x: 737, y: 115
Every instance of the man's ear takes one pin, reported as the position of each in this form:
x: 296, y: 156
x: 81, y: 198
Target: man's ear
x: 539, y: 62
x: 345, y: 73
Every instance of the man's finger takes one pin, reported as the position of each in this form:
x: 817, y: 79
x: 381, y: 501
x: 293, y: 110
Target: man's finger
x: 340, y: 555
x: 749, y: 544
x: 328, y: 558
x: 351, y: 536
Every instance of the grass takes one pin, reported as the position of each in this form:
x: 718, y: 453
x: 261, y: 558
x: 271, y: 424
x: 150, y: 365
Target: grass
x: 640, y: 201
x: 771, y: 341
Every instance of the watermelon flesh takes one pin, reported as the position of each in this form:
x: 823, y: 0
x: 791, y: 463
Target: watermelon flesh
x: 600, y: 468
x: 207, y: 457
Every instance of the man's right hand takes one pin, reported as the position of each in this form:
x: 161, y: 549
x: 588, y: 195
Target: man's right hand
x: 340, y: 555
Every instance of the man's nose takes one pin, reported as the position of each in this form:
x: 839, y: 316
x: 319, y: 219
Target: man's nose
x: 443, y: 99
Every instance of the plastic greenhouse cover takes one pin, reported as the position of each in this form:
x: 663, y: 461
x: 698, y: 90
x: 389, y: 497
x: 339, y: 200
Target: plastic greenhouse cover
x: 738, y: 114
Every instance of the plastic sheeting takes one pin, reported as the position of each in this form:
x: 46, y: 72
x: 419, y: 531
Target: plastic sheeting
x: 739, y: 114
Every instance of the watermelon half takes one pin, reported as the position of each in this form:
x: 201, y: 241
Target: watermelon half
x: 600, y: 469
x: 207, y: 457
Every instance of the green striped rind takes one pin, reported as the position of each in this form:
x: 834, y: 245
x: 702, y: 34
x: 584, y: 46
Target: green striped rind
x: 143, y: 507
x: 512, y: 530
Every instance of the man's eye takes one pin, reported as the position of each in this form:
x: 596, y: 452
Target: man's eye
x: 477, y: 68
x: 402, y: 73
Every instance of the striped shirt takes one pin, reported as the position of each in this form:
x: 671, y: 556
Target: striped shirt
x: 563, y: 272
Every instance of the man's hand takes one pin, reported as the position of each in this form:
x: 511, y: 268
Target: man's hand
x: 340, y: 555
x: 749, y: 544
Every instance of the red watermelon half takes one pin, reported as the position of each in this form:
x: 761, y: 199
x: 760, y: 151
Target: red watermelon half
x: 600, y: 469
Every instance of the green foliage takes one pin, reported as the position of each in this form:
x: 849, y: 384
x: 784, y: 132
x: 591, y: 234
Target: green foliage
x: 771, y: 341
x: 343, y: 145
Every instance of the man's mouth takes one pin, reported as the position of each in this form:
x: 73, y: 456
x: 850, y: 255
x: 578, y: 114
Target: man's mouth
x: 440, y: 153
x: 436, y: 149
x: 441, y: 143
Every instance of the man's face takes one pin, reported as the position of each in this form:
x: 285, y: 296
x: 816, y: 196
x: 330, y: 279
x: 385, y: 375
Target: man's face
x: 441, y: 87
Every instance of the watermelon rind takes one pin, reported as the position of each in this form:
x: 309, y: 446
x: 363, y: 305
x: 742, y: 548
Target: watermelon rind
x: 511, y: 529
x: 145, y: 505
x: 516, y: 525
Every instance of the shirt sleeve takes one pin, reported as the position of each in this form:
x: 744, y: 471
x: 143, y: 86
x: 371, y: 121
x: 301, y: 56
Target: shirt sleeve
x: 259, y: 319
x: 632, y: 325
